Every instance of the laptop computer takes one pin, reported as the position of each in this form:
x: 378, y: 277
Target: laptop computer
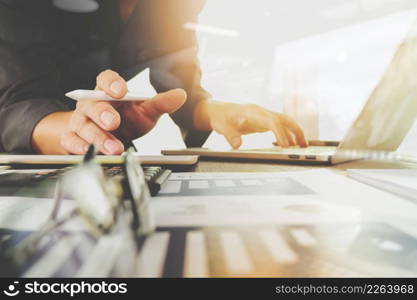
x: 377, y: 132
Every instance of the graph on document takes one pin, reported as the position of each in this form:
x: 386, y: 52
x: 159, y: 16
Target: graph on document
x: 293, y: 251
x: 234, y: 186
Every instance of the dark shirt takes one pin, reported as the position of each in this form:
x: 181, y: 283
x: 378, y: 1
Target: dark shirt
x: 46, y: 52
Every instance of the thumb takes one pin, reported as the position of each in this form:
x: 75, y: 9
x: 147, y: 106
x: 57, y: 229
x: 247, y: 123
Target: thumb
x: 234, y: 138
x: 163, y: 103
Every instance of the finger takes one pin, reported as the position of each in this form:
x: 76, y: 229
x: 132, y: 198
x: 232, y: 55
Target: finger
x: 295, y: 129
x: 102, y: 113
x: 279, y: 133
x: 290, y: 137
x: 233, y: 137
x: 112, y: 83
x: 73, y: 144
x: 104, y: 141
x: 167, y: 102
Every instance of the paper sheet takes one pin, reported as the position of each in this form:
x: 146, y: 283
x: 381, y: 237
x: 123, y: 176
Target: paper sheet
x: 23, y: 213
x: 403, y: 177
x: 315, y: 196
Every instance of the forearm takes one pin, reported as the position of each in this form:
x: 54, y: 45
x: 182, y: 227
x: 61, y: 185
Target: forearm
x: 201, y: 118
x: 204, y: 112
x: 46, y: 137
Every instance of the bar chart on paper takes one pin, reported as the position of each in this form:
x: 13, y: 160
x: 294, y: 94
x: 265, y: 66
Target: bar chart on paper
x: 236, y: 185
x: 295, y: 251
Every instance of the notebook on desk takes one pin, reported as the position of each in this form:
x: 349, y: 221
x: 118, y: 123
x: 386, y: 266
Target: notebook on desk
x: 377, y: 132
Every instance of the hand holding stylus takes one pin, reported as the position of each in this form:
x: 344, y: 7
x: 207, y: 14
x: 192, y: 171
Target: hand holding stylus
x: 105, y: 124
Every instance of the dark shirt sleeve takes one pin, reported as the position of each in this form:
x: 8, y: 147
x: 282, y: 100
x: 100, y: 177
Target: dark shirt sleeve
x: 157, y: 37
x: 28, y: 77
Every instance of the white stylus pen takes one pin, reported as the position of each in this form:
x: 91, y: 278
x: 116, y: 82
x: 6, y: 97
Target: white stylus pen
x: 90, y: 95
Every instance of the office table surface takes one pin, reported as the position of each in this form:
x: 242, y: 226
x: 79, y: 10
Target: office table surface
x: 341, y: 169
x: 240, y: 166
x: 173, y: 266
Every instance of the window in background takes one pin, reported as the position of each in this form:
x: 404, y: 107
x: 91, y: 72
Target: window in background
x: 316, y: 60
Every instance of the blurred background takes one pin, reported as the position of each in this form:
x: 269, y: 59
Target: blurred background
x: 316, y: 60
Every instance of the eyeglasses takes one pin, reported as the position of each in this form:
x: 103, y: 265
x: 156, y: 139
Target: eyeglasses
x: 98, y: 198
x: 99, y: 201
x: 138, y: 194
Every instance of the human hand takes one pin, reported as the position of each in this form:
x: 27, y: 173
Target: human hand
x: 234, y: 120
x: 107, y: 124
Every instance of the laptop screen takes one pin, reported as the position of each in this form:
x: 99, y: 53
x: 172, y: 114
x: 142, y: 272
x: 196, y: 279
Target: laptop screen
x: 391, y: 109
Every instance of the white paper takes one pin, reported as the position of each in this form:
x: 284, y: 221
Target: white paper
x: 152, y: 256
x: 198, y: 184
x: 102, y: 258
x: 318, y: 196
x: 303, y: 237
x: 402, y: 177
x: 332, y: 198
x: 24, y: 213
x: 224, y: 183
x: 196, y: 263
x: 54, y: 258
x: 236, y: 256
x: 278, y: 247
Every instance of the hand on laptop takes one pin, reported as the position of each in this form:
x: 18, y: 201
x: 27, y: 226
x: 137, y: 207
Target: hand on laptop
x: 102, y: 123
x: 234, y: 120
